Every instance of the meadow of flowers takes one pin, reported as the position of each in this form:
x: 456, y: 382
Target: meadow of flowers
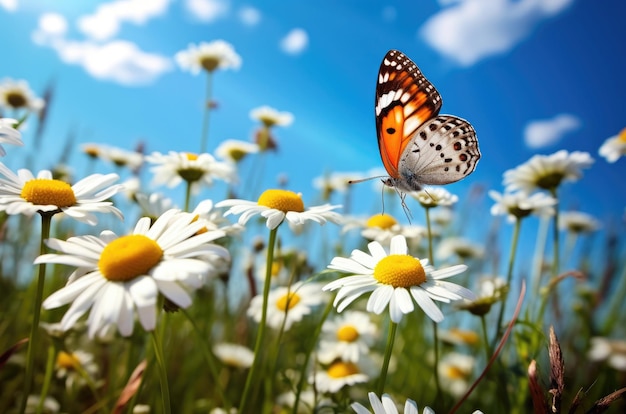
x: 121, y: 298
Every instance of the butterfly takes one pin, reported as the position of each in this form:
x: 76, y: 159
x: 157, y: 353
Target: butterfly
x: 417, y: 145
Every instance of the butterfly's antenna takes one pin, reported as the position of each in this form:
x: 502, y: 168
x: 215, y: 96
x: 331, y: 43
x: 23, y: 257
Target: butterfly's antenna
x: 431, y: 197
x: 364, y: 179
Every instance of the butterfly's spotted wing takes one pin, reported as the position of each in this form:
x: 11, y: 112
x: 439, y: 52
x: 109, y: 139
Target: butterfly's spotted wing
x: 405, y: 100
x: 443, y: 150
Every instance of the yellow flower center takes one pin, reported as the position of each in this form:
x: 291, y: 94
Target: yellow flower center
x: 191, y: 156
x: 16, y: 99
x: 400, y: 270
x: 342, y: 369
x: 282, y: 200
x: 209, y: 63
x: 468, y: 337
x: 67, y: 360
x: 382, y: 221
x: 622, y: 136
x: 347, y: 333
x: 43, y: 191
x: 287, y: 302
x: 128, y: 257
x: 455, y: 373
x: 91, y: 151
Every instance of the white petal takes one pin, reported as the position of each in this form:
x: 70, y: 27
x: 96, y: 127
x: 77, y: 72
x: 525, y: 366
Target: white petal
x: 144, y: 293
x: 426, y: 303
x: 398, y: 245
x: 379, y: 299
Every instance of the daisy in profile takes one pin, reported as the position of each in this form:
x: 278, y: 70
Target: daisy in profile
x: 234, y: 355
x: 234, y: 151
x: 277, y: 206
x: 547, y: 172
x: 435, y: 196
x: 23, y: 193
x: 396, y: 280
x: 119, y: 278
x: 269, y: 118
x: 614, y: 147
x: 520, y: 204
x: 195, y: 169
x: 577, y: 222
x: 72, y: 365
x: 386, y: 405
x: 383, y: 227
x: 464, y: 249
x: 16, y: 95
x: 8, y: 134
x: 208, y: 56
x: 287, y: 305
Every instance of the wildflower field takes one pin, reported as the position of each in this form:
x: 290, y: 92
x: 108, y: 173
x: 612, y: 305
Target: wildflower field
x: 173, y: 282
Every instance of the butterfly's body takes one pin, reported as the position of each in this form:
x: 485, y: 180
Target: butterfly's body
x: 419, y: 147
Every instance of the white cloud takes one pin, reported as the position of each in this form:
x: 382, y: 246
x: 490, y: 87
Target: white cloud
x: 545, y: 132
x: 295, y: 42
x: 470, y: 30
x: 51, y: 26
x: 9, y: 5
x: 249, y: 16
x: 207, y: 10
x: 106, y: 21
x: 118, y: 61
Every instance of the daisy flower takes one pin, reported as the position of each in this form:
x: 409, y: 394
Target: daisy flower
x: 15, y: 95
x: 347, y: 337
x: 234, y: 355
x: 337, y: 182
x: 614, y: 147
x: 457, y: 246
x: 26, y: 194
x: 521, y: 204
x: 287, y: 304
x: 455, y: 372
x: 578, y: 222
x: 613, y: 351
x: 383, y: 227
x: 217, y: 54
x: 121, y: 157
x: 71, y: 365
x: 396, y: 280
x: 278, y: 205
x: 120, y: 277
x: 234, y: 150
x: 338, y: 375
x: 154, y: 204
x: 270, y: 117
x: 490, y: 291
x: 435, y: 196
x: 547, y: 171
x: 195, y: 169
x: 8, y: 134
x: 386, y: 405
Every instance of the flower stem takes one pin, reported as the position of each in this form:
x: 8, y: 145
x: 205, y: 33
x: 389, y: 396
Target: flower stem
x: 555, y: 241
x: 383, y: 372
x: 47, y: 378
x: 509, y: 275
x: 245, y: 398
x: 207, y: 110
x: 187, y: 196
x: 46, y: 219
x: 210, y: 359
x: 431, y: 259
x: 307, y: 357
x: 165, y: 389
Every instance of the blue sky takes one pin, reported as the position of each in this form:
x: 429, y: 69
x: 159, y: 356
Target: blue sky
x: 555, y: 67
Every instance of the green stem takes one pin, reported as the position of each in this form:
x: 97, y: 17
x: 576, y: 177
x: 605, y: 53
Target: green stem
x: 187, y: 195
x: 207, y: 110
x: 245, y: 398
x: 431, y: 259
x: 210, y: 359
x: 307, y: 358
x: 509, y: 275
x: 555, y: 241
x: 46, y: 219
x: 483, y: 322
x: 165, y: 389
x: 47, y: 379
x: 436, y: 362
x: 391, y: 336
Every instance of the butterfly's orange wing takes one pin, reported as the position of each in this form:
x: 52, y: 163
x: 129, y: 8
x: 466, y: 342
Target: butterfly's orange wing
x: 405, y: 99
